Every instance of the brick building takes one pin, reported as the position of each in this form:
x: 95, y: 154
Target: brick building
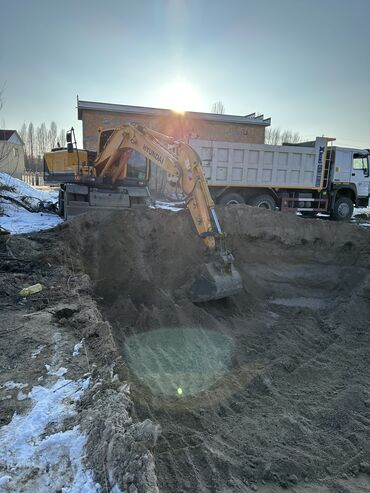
x: 208, y: 126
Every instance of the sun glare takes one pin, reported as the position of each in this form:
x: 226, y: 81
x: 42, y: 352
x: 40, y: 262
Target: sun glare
x: 180, y: 97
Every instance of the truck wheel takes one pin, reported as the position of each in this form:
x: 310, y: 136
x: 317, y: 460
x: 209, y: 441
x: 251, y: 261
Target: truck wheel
x: 343, y: 209
x: 231, y: 198
x: 264, y: 201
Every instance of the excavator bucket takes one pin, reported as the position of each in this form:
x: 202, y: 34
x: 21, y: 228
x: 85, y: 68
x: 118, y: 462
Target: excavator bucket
x: 216, y: 281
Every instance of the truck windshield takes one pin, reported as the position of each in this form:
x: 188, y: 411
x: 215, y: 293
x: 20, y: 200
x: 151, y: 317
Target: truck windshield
x: 137, y: 166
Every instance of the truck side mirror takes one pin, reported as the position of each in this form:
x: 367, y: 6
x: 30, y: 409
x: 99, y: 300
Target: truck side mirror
x: 69, y: 137
x: 69, y: 147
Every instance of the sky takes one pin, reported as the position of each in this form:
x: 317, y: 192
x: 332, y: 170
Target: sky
x: 304, y: 63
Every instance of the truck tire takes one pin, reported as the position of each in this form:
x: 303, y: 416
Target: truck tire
x: 264, y: 201
x: 343, y: 209
x: 231, y: 198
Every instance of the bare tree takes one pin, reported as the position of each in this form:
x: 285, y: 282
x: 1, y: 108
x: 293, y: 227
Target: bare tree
x: 41, y: 140
x: 23, y: 133
x: 275, y: 136
x: 31, y: 141
x: 62, y: 137
x: 290, y: 137
x: 52, y: 135
x: 218, y: 107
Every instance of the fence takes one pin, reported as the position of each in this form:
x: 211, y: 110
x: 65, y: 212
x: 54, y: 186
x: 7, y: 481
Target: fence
x: 33, y: 178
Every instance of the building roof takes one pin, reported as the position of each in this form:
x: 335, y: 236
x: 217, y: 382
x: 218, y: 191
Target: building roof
x: 250, y: 119
x: 10, y: 136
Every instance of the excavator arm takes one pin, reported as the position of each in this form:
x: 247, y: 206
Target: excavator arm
x: 219, y: 279
x: 176, y: 158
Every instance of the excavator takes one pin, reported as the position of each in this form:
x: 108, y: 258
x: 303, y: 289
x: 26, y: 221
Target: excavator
x: 117, y: 177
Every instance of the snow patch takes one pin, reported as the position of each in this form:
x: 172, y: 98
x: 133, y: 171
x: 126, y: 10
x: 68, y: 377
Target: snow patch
x: 13, y: 385
x: 16, y: 219
x: 77, y: 348
x: 37, y: 351
x: 22, y: 189
x: 21, y: 396
x: 58, y: 373
x: 4, y: 480
x: 31, y: 461
x: 169, y: 206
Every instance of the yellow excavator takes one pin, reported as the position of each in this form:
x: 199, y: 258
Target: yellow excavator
x: 118, y: 177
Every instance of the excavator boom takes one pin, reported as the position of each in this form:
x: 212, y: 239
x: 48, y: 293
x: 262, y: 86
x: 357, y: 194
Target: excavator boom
x: 217, y: 279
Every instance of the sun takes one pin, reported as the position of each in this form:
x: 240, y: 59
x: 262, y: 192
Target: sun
x: 180, y: 96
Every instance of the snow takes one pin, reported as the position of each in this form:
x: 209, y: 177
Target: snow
x: 13, y: 385
x: 37, y: 351
x: 169, y: 206
x: 58, y: 373
x: 32, y: 460
x: 22, y: 189
x: 16, y: 219
x: 4, y: 480
x: 78, y: 347
x: 361, y: 221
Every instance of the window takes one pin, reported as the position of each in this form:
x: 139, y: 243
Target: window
x: 361, y: 161
x: 137, y: 166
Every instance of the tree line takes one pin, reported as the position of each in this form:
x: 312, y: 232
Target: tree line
x: 38, y: 140
x: 276, y: 136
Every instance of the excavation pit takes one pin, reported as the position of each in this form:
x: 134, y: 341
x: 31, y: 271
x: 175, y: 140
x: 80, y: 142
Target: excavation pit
x: 265, y: 386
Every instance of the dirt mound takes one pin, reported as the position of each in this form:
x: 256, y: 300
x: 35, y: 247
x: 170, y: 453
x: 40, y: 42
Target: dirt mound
x: 266, y: 389
x: 270, y: 386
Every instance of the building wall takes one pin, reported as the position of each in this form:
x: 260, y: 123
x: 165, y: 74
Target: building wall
x: 177, y: 125
x: 12, y: 159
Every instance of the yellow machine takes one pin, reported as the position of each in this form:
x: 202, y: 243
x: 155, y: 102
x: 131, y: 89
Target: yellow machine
x: 118, y: 177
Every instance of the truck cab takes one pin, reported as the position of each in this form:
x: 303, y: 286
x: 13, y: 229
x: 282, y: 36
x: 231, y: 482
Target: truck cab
x: 349, y: 177
x: 351, y: 166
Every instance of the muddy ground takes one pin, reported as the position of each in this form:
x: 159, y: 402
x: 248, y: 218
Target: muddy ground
x: 266, y: 390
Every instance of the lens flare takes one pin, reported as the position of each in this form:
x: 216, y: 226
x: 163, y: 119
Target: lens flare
x: 180, y: 96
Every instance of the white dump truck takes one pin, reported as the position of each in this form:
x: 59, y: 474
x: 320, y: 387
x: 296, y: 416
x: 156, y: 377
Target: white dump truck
x: 309, y: 177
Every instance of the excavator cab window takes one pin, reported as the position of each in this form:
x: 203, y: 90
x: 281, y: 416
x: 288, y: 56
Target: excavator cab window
x: 137, y: 166
x: 69, y: 141
x: 103, y: 138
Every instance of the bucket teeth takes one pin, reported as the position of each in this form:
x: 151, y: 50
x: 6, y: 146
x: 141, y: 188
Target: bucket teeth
x: 216, y: 281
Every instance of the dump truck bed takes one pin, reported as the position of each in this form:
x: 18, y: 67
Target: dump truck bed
x: 262, y: 165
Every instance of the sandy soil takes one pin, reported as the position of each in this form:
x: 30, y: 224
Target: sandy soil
x: 264, y: 391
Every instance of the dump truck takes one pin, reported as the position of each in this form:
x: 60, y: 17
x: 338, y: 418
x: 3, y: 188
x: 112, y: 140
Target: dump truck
x: 116, y: 177
x: 309, y: 177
